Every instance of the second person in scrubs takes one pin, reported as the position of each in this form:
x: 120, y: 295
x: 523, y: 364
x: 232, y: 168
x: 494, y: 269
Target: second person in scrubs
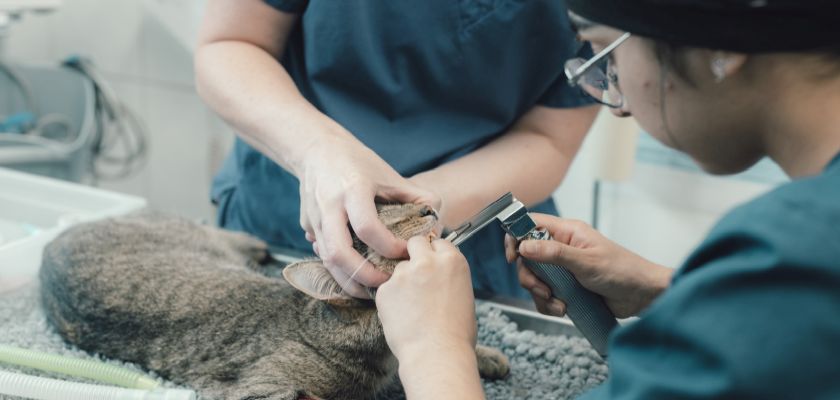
x: 341, y: 103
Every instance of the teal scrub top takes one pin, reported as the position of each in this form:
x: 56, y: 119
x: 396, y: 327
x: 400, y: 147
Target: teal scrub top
x: 753, y: 314
x: 421, y: 84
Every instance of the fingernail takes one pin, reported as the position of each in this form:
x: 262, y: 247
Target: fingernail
x: 527, y: 247
x: 556, y: 307
x: 541, y: 293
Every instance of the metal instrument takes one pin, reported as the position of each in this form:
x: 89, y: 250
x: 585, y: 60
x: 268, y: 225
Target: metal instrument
x: 586, y: 309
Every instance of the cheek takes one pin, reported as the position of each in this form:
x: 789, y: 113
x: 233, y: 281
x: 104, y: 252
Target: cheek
x: 642, y: 96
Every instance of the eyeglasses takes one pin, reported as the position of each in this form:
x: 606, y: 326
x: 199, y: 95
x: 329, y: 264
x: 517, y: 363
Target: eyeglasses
x: 597, y: 77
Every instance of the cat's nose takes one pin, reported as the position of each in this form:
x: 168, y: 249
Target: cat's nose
x: 428, y: 211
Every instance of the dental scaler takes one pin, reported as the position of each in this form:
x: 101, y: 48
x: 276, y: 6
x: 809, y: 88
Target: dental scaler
x: 587, y: 310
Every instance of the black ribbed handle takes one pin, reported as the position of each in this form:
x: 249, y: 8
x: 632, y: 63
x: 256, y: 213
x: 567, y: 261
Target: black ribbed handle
x: 587, y: 310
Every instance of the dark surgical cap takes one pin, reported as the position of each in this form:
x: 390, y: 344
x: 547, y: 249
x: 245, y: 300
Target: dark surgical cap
x: 749, y: 26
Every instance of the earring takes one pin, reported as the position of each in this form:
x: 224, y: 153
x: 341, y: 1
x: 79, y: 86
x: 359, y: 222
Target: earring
x: 719, y: 68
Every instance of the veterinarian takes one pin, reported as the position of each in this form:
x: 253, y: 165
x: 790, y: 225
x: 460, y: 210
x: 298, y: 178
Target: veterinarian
x: 339, y: 103
x: 752, y: 314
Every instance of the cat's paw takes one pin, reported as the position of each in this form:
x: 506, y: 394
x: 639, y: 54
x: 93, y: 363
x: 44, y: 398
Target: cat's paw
x: 259, y: 392
x: 492, y: 364
x: 254, y: 250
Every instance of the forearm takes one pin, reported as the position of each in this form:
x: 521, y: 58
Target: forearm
x: 441, y: 372
x: 250, y: 90
x: 525, y: 161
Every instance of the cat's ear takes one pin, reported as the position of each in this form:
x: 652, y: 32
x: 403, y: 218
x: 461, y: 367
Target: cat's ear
x: 313, y: 279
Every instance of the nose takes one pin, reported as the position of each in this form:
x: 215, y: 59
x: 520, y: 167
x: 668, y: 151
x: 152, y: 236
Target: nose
x: 428, y: 211
x: 621, y: 112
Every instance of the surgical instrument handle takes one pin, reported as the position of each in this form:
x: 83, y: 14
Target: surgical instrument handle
x: 586, y: 309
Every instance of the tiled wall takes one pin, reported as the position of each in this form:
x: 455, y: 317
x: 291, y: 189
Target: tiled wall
x: 150, y: 67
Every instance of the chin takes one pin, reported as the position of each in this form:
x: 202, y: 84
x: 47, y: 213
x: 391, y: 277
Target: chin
x: 726, y: 167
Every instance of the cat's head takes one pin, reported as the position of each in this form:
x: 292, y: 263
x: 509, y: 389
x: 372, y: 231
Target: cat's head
x: 404, y: 220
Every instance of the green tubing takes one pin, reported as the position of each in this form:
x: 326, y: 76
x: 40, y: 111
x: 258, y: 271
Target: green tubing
x: 95, y: 370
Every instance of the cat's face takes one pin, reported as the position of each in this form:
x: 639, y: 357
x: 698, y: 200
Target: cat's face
x: 404, y: 220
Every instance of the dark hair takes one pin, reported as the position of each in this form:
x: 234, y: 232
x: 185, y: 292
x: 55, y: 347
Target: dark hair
x: 674, y: 57
x: 832, y: 57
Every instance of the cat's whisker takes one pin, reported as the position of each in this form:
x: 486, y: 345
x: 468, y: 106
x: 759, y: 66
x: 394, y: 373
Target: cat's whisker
x: 359, y: 268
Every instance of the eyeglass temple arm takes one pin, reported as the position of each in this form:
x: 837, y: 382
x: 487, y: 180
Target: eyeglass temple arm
x: 603, y: 53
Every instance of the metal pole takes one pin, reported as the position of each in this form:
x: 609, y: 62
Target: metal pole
x: 596, y: 196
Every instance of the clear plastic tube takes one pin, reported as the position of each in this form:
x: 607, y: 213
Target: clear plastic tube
x: 38, y: 388
x: 90, y: 369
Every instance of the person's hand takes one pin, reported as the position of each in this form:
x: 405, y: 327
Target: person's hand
x: 339, y: 181
x: 628, y: 282
x: 427, y: 305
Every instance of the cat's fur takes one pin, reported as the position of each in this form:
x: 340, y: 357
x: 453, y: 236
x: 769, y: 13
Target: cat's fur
x: 188, y: 301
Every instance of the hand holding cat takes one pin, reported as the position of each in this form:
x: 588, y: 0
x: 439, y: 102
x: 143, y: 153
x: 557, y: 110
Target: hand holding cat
x: 628, y: 282
x: 428, y: 302
x: 427, y: 312
x: 339, y: 180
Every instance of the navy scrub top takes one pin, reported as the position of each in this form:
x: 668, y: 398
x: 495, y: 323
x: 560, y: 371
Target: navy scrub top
x: 421, y: 84
x: 753, y: 314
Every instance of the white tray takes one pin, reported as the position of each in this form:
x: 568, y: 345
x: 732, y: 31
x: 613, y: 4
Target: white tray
x: 34, y: 209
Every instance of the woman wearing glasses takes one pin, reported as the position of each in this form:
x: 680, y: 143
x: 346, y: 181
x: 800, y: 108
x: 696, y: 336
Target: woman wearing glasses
x: 753, y: 311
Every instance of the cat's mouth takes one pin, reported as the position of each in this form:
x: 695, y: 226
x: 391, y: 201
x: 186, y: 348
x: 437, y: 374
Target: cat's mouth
x: 428, y: 212
x: 431, y: 223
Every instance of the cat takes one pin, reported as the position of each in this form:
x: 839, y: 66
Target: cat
x: 193, y: 303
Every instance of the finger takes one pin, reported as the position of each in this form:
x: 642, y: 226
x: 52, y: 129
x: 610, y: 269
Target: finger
x: 438, y: 229
x: 562, y: 230
x: 402, y: 264
x: 556, y: 307
x: 305, y: 222
x: 510, y: 248
x: 444, y: 246
x: 541, y: 305
x: 410, y: 193
x: 419, y: 246
x: 312, y: 221
x: 336, y: 248
x: 553, y: 252
x: 383, y: 293
x: 349, y: 286
x: 361, y: 211
x: 530, y: 281
x: 310, y: 237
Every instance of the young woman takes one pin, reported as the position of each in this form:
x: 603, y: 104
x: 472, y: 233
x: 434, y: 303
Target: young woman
x: 753, y: 311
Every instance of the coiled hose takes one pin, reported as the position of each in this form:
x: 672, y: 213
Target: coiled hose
x: 34, y: 387
x: 135, y: 386
x: 94, y: 370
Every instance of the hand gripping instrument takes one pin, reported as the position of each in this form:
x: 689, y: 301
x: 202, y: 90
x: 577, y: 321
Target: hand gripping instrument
x: 586, y: 309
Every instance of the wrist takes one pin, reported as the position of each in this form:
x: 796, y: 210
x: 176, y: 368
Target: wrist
x: 319, y: 137
x: 658, y: 279
x: 419, y: 351
x: 445, y: 370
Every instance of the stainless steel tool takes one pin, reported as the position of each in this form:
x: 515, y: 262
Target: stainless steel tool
x: 586, y: 309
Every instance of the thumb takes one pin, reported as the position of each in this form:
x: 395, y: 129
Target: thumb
x: 363, y: 217
x: 411, y: 193
x: 553, y: 252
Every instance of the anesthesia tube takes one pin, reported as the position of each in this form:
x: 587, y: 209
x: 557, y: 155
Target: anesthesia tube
x: 38, y: 388
x: 90, y: 369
